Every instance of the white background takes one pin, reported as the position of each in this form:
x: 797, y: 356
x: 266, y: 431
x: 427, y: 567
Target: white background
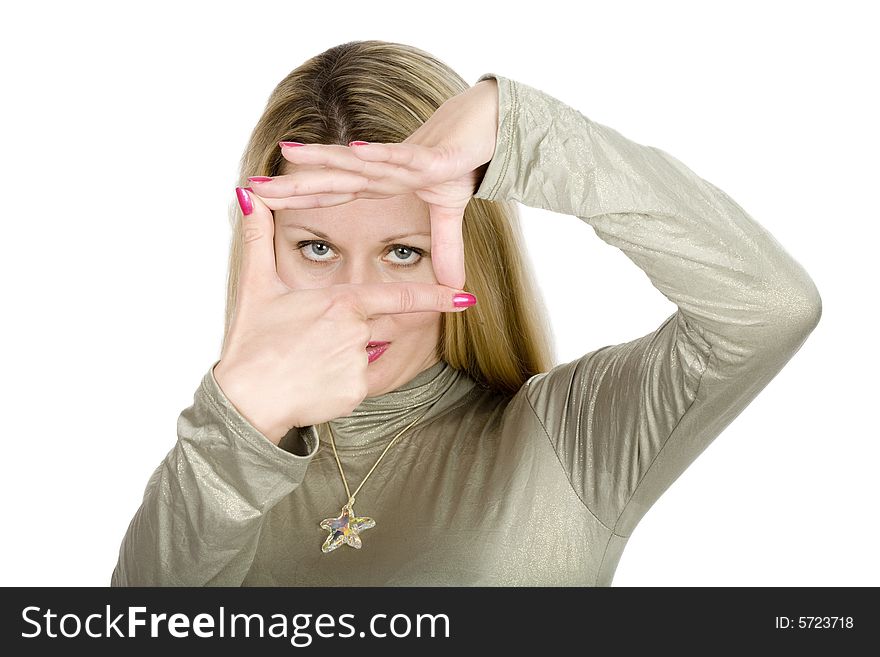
x: 122, y: 131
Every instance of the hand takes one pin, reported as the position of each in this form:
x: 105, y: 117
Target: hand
x: 298, y: 357
x: 442, y: 162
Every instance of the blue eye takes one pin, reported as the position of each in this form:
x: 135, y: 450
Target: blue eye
x: 317, y: 248
x: 406, y: 253
x: 314, y: 250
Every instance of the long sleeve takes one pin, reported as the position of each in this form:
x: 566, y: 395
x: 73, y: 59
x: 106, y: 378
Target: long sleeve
x: 626, y: 420
x: 203, y: 507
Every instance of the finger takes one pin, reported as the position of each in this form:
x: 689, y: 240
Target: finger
x: 393, y: 298
x: 423, y: 169
x: 409, y: 155
x: 326, y: 180
x: 422, y: 165
x: 258, y: 272
x: 314, y: 200
x: 447, y: 246
x: 336, y: 157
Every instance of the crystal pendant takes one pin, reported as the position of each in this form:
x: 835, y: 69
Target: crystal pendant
x: 345, y: 528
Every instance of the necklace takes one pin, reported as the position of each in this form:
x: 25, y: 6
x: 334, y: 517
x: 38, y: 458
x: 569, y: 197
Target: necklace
x: 346, y: 527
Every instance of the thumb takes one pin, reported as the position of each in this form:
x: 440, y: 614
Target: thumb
x: 447, y: 245
x: 258, y: 271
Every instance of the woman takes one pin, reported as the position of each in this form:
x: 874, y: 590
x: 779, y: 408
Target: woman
x: 316, y: 454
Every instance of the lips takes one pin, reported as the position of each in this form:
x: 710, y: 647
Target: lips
x: 375, y: 349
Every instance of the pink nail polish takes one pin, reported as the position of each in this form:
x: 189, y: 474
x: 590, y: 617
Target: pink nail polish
x: 464, y: 300
x: 260, y: 179
x: 358, y: 143
x: 244, y: 201
x: 289, y: 143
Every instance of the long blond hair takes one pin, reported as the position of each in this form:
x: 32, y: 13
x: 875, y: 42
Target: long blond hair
x: 382, y: 91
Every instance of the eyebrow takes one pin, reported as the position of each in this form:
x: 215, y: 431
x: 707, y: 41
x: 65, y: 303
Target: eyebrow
x: 326, y: 237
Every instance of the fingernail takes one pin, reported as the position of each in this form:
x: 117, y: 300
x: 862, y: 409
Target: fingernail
x: 259, y: 179
x: 289, y: 143
x: 464, y: 300
x: 358, y: 143
x: 244, y: 201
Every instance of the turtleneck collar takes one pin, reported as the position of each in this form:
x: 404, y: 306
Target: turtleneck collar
x: 378, y: 419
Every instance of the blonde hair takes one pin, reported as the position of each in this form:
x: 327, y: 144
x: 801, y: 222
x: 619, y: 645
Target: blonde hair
x: 381, y: 91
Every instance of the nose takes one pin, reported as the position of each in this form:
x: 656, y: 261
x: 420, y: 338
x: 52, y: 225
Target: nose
x: 360, y: 271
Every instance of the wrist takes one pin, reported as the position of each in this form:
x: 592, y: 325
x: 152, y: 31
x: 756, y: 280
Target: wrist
x: 491, y: 102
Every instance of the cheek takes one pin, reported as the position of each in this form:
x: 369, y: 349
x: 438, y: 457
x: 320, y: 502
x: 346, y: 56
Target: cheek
x: 419, y: 326
x: 296, y: 275
x: 284, y: 266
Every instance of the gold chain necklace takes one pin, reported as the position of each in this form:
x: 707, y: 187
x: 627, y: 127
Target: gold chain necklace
x: 346, y: 527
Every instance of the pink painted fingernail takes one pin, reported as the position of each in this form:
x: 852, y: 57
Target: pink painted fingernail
x: 464, y: 300
x: 260, y: 179
x: 244, y: 200
x: 289, y: 143
x: 358, y: 143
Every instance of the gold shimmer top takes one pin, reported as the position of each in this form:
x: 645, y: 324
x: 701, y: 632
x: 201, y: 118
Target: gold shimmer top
x: 540, y: 488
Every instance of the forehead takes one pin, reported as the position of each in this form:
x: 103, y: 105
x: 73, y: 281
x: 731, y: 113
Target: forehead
x: 363, y: 218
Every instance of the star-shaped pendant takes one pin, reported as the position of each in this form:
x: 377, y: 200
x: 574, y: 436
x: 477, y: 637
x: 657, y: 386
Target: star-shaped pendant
x: 344, y: 528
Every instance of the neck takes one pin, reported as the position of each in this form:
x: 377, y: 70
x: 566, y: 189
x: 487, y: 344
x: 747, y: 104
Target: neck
x: 378, y: 419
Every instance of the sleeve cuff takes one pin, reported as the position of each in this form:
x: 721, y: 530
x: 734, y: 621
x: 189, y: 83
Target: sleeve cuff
x: 508, y: 108
x: 244, y: 430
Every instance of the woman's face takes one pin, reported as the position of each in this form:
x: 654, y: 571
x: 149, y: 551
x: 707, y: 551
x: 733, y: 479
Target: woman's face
x: 367, y: 241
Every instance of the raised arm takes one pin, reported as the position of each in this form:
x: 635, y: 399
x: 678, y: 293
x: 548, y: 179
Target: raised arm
x: 626, y: 420
x: 204, y: 505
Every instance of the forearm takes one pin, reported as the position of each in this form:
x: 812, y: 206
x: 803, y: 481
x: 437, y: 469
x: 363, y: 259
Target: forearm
x: 202, y: 510
x: 727, y: 274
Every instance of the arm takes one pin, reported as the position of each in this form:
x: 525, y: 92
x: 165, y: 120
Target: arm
x: 204, y: 505
x: 626, y: 420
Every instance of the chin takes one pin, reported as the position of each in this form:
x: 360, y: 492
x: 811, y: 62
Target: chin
x: 379, y: 378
